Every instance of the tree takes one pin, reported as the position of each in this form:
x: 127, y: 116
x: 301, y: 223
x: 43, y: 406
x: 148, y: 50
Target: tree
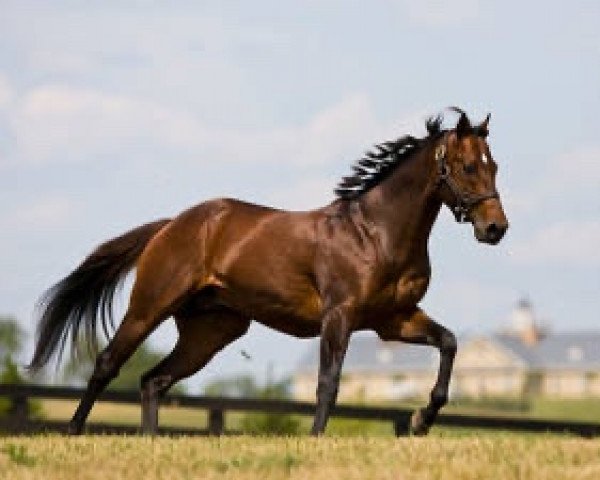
x: 11, y: 335
x: 238, y: 386
x: 245, y: 386
x: 12, y: 338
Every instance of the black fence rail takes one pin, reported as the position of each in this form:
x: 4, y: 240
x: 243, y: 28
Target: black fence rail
x: 18, y: 419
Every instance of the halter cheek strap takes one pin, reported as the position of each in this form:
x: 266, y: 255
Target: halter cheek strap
x: 465, y: 201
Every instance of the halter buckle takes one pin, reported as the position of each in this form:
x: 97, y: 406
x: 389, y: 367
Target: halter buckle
x: 440, y: 152
x: 440, y: 156
x: 460, y: 212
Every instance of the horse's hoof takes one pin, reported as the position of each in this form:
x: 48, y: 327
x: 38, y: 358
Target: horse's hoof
x: 418, y: 426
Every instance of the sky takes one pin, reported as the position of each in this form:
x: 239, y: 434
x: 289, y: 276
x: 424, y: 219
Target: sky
x: 113, y: 114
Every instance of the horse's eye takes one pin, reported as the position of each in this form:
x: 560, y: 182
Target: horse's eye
x: 469, y: 168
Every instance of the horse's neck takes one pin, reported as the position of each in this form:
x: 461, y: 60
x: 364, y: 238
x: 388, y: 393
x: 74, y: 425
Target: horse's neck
x: 404, y: 206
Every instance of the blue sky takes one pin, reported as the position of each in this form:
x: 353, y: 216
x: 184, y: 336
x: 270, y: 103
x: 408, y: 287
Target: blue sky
x: 116, y: 113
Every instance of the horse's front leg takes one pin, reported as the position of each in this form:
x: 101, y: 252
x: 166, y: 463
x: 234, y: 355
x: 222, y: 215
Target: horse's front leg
x: 416, y: 327
x: 335, y: 334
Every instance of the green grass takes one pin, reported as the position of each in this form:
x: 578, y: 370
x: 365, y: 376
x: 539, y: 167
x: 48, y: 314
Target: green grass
x: 495, y: 455
x: 579, y: 410
x: 583, y: 410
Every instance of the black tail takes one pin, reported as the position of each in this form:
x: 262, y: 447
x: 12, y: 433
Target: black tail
x: 75, y: 302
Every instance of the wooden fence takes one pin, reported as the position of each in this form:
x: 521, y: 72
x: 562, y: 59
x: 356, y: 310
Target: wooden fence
x: 19, y: 421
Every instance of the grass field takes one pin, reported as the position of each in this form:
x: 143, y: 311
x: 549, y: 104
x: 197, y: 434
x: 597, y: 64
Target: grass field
x: 351, y: 450
x: 466, y: 456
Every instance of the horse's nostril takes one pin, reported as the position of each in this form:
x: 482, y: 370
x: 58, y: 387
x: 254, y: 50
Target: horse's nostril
x: 494, y: 231
x: 491, y: 229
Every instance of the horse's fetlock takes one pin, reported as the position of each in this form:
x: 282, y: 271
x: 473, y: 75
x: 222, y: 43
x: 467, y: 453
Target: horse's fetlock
x: 439, y: 398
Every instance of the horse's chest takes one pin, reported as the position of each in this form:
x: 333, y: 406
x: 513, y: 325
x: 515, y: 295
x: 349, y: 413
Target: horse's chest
x: 405, y: 292
x: 410, y: 289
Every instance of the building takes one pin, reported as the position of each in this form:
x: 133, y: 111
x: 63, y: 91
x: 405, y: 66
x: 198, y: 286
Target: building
x: 525, y: 359
x: 565, y: 365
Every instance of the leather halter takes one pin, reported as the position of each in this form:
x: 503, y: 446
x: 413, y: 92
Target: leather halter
x: 465, y: 201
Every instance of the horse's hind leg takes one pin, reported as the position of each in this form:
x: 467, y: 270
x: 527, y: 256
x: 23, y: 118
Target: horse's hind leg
x: 201, y: 336
x: 152, y: 298
x: 130, y: 334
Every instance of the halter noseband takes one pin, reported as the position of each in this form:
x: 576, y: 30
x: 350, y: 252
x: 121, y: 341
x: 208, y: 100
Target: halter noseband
x: 465, y: 201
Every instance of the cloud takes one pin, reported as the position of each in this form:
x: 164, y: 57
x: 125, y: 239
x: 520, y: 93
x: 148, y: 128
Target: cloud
x: 51, y: 211
x: 579, y: 168
x: 338, y: 129
x: 566, y: 188
x: 58, y: 123
x: 566, y: 243
x: 6, y: 92
x: 441, y: 13
x: 466, y: 303
x: 568, y: 175
x: 304, y: 194
x: 190, y: 56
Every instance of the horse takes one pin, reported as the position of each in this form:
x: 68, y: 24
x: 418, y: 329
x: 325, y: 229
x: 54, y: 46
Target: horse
x: 358, y: 263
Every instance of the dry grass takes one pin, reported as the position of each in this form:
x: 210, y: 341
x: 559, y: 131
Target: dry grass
x: 502, y: 456
x: 446, y: 453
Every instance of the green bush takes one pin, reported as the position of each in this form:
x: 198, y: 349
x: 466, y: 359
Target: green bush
x: 10, y: 375
x: 270, y: 424
x: 245, y: 386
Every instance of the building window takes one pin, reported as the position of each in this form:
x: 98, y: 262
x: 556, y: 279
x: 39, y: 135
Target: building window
x: 575, y: 353
x: 385, y: 355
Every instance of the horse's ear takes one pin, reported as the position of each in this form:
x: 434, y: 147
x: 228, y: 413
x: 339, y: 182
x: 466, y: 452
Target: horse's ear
x: 483, y: 128
x: 463, y: 127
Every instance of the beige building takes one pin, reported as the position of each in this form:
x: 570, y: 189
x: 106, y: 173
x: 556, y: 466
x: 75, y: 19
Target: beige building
x: 523, y: 360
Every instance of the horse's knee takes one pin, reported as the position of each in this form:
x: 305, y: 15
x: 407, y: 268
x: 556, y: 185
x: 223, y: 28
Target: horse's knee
x: 448, y: 343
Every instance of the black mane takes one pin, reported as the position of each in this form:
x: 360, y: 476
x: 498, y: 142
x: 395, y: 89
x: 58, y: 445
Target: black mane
x: 377, y: 164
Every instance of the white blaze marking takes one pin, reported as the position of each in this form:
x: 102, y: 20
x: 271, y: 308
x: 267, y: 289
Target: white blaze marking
x: 484, y: 158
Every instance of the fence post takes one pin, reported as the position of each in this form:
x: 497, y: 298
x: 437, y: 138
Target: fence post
x: 19, y: 411
x: 401, y: 426
x: 216, y: 421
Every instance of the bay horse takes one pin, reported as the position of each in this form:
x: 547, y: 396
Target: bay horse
x: 359, y: 263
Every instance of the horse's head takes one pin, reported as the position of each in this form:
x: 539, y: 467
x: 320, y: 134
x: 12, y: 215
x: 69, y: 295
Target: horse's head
x: 467, y: 179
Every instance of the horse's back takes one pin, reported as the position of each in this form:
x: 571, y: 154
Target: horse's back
x: 259, y: 259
